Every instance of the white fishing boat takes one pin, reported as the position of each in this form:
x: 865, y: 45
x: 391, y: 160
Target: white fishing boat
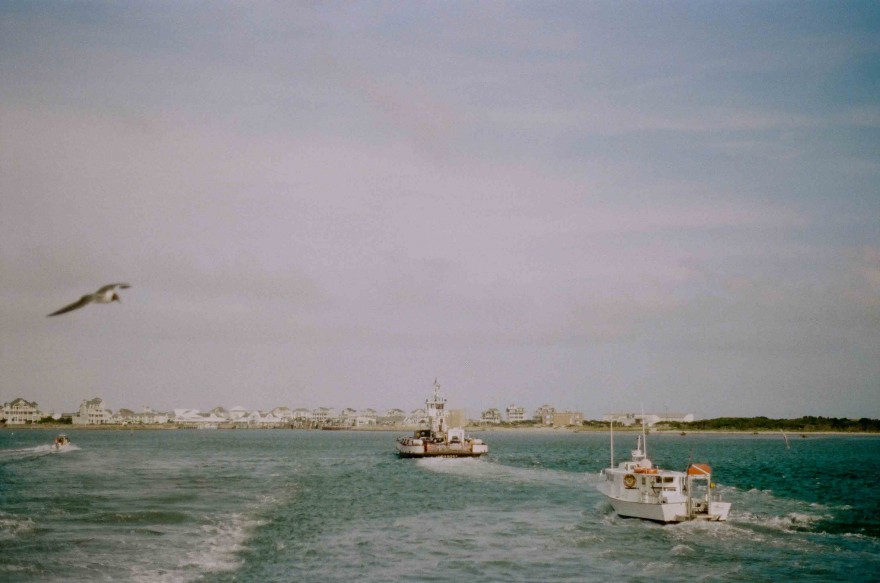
x: 61, y: 441
x: 637, y: 489
x: 439, y: 440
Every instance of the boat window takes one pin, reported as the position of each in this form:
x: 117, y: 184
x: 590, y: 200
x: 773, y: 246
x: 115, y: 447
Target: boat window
x: 667, y: 479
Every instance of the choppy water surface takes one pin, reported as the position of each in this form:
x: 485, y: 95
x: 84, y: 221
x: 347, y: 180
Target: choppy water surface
x: 339, y: 506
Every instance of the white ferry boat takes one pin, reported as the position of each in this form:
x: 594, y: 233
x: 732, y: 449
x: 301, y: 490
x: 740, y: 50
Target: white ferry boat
x: 439, y: 440
x: 637, y: 489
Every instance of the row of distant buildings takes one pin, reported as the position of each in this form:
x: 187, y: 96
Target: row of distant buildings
x: 543, y: 415
x: 547, y: 415
x: 95, y: 412
x: 650, y: 419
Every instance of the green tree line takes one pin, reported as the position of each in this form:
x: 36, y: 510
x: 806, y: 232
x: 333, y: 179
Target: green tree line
x: 808, y: 423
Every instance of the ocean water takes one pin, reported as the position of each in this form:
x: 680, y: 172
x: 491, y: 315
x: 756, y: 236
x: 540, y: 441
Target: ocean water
x: 282, y: 505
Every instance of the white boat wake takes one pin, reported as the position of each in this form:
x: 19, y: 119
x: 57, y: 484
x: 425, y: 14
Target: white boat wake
x: 482, y: 469
x: 26, y: 453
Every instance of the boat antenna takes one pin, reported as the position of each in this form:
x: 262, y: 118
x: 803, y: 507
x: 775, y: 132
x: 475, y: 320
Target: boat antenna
x: 612, y: 443
x: 644, y: 435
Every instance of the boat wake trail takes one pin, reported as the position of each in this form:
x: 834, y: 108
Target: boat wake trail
x: 29, y: 453
x: 480, y: 469
x: 12, y: 526
x: 763, y: 513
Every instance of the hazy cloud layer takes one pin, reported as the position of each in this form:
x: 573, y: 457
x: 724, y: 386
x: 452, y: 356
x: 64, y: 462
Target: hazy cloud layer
x: 592, y: 205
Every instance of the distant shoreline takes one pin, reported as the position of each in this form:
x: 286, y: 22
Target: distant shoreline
x: 62, y: 427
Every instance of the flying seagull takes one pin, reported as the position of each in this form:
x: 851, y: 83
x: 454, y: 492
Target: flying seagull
x: 105, y: 295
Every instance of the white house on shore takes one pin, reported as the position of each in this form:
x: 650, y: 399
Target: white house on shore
x: 322, y: 415
x: 237, y: 412
x: 366, y: 418
x: 145, y: 417
x: 544, y: 414
x: 416, y: 417
x: 515, y: 414
x: 123, y: 417
x: 392, y: 417
x: 92, y: 412
x: 283, y: 412
x: 492, y: 415
x: 194, y: 418
x: 20, y: 411
x: 260, y: 420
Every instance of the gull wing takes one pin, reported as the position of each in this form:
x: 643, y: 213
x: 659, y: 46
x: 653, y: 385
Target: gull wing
x: 74, y: 306
x: 110, y: 286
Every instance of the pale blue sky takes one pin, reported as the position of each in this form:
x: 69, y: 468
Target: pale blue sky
x: 595, y: 205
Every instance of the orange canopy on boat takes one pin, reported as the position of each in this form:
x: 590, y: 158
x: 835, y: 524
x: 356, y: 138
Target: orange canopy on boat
x: 699, y: 470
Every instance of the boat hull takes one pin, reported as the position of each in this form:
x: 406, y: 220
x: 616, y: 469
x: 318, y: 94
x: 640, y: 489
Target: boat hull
x: 441, y: 450
x: 666, y: 513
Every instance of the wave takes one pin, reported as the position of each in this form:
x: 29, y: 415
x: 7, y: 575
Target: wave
x: 221, y: 541
x: 218, y: 547
x: 792, y: 521
x: 162, y: 543
x: 763, y: 509
x: 12, y: 527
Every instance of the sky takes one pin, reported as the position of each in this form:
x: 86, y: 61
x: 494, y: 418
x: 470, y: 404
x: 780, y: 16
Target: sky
x: 600, y: 206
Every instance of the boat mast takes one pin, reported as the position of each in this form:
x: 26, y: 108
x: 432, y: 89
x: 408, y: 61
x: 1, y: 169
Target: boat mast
x: 644, y: 435
x: 612, y: 443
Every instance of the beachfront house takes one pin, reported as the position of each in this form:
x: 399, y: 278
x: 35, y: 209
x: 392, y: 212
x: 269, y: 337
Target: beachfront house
x: 365, y: 418
x: 236, y: 413
x: 150, y: 417
x: 20, y: 411
x: 516, y: 414
x: 392, y: 417
x: 123, y: 417
x: 260, y: 420
x: 283, y: 412
x: 181, y: 415
x: 322, y: 415
x: 302, y: 414
x: 416, y: 417
x: 567, y: 418
x: 92, y: 412
x: 220, y: 411
x: 544, y: 415
x: 194, y: 418
x: 492, y: 416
